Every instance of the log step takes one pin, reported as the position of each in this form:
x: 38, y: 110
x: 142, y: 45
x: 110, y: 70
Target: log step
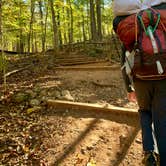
x: 84, y: 68
x: 95, y: 107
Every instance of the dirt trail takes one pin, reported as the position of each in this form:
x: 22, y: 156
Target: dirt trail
x: 66, y: 137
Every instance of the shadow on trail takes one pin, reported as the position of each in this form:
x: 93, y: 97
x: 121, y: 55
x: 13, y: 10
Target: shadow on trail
x: 126, y: 146
x: 97, y: 115
x: 74, y: 143
x: 131, y: 120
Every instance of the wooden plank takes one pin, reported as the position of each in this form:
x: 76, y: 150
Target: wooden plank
x: 94, y: 107
x: 84, y: 68
x: 77, y: 59
x: 17, y: 70
x: 80, y: 63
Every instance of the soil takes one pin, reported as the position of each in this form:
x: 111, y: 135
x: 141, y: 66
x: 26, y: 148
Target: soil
x: 33, y: 134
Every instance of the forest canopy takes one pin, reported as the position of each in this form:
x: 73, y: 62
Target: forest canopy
x: 37, y: 25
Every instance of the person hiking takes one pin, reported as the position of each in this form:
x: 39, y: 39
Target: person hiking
x: 151, y: 157
x: 146, y: 82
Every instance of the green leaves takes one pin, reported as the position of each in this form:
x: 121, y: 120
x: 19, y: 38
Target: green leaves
x: 16, y: 18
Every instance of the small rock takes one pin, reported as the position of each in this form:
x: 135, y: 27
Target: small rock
x: 109, y: 153
x: 21, y: 97
x: 10, y: 148
x: 67, y: 96
x: 83, y: 151
x: 138, y: 141
x: 90, y: 147
x: 110, y: 148
x: 19, y: 149
x: 101, y: 137
x: 37, y: 89
x: 43, y: 92
x: 31, y: 93
x: 57, y: 94
x: 34, y: 102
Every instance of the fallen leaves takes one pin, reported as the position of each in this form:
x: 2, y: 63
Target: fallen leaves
x: 91, y: 163
x: 33, y: 109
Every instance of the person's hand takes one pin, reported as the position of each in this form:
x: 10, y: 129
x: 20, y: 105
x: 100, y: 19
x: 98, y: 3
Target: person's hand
x: 132, y: 97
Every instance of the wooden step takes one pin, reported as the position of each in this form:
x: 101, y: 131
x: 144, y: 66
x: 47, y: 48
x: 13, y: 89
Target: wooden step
x: 85, y: 68
x: 95, y: 107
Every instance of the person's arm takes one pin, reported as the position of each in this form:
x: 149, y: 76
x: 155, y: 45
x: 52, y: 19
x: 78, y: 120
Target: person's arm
x: 127, y: 81
x: 128, y: 84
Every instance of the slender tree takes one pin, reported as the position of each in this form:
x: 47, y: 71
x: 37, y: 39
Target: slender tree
x: 59, y: 26
x: 98, y: 13
x: 42, y: 24
x: 1, y: 43
x: 55, y: 28
x: 93, y: 21
x: 30, y: 35
x: 1, y: 21
x: 20, y: 45
x: 70, y: 23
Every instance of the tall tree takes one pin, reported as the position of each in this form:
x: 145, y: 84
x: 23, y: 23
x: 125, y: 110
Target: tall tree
x: 1, y: 23
x: 70, y: 18
x: 83, y: 27
x: 42, y: 24
x: 98, y: 13
x: 65, y: 24
x: 55, y: 28
x: 59, y: 23
x: 93, y: 21
x: 20, y: 43
x: 30, y: 35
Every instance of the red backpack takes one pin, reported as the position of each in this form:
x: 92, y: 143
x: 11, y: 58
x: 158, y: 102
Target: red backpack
x: 150, y: 47
x: 125, y: 27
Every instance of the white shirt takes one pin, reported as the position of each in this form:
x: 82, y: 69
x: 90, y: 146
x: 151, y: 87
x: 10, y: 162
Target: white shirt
x: 127, y: 7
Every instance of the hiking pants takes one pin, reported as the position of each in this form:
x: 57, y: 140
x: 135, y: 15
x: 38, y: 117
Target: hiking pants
x: 151, y: 97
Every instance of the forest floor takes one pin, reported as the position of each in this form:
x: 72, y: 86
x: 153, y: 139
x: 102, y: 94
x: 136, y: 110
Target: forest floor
x: 35, y: 134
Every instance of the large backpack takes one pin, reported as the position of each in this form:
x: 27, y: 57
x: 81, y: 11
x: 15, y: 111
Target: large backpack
x: 124, y: 26
x: 150, y: 47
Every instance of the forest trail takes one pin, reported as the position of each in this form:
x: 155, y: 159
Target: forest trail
x: 34, y: 133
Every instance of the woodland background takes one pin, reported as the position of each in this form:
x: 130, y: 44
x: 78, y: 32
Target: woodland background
x: 37, y: 25
x: 63, y: 51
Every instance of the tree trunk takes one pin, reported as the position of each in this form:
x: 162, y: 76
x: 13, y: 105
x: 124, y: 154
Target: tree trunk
x: 93, y: 21
x: 45, y: 26
x: 59, y: 32
x: 83, y: 25
x: 70, y: 25
x: 30, y: 35
x: 42, y: 26
x: 65, y: 29
x: 1, y: 45
x: 83, y: 28
x: 98, y: 12
x: 55, y: 29
x: 21, y: 43
x: 88, y: 20
x: 1, y: 23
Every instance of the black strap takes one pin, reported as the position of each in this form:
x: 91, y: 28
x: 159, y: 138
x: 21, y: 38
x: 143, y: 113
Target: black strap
x: 158, y: 42
x: 140, y: 38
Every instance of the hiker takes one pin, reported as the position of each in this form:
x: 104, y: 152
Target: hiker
x: 141, y: 27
